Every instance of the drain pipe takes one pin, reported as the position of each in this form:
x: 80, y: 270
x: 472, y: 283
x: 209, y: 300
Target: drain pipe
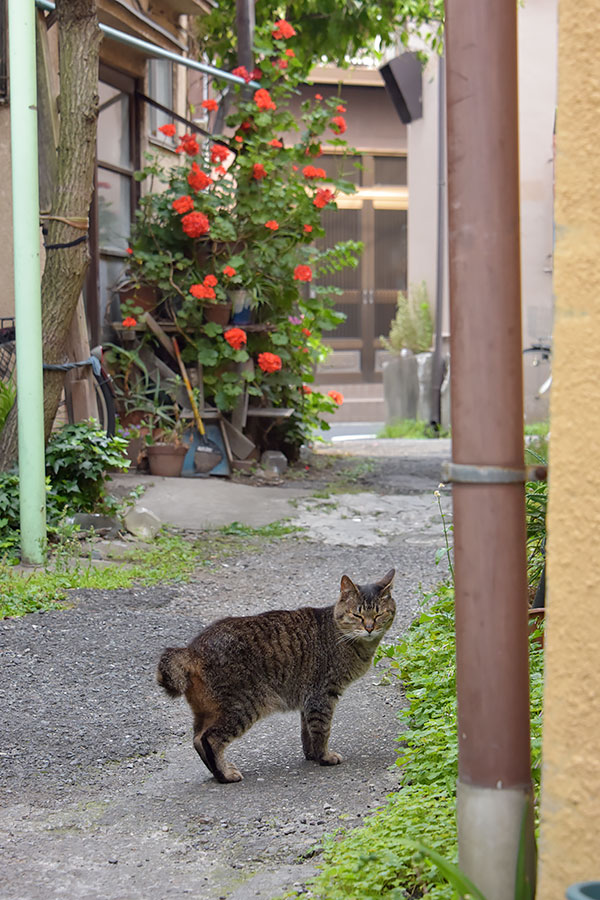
x: 494, y: 775
x: 437, y: 375
x: 28, y: 302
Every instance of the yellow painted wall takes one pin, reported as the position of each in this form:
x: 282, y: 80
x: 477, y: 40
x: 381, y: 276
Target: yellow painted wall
x: 570, y: 831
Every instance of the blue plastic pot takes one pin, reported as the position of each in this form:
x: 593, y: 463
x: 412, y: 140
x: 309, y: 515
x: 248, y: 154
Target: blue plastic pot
x: 584, y: 890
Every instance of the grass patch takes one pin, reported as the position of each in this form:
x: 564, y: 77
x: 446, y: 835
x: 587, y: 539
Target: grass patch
x: 170, y: 558
x: 412, y: 428
x: 370, y: 862
x: 537, y: 428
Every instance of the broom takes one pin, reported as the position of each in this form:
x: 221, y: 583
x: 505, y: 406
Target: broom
x: 208, y: 454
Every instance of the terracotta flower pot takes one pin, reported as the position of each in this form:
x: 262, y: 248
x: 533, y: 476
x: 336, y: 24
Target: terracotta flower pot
x: 145, y: 295
x: 536, y: 619
x: 166, y: 459
x: 219, y: 313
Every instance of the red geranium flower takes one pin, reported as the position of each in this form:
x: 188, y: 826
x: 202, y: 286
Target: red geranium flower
x: 313, y: 172
x: 283, y: 30
x: 318, y: 96
x: 259, y: 171
x: 197, y: 179
x: 167, y: 130
x: 219, y: 153
x: 210, y: 105
x: 229, y: 271
x: 236, y: 338
x: 202, y: 292
x: 256, y: 74
x: 130, y: 251
x: 275, y: 143
x: 246, y: 126
x: 308, y: 228
x: 272, y: 224
x: 341, y: 108
x: 220, y: 170
x: 303, y: 273
x: 289, y: 52
x: 336, y: 397
x: 195, y: 224
x: 269, y: 362
x: 323, y: 197
x: 183, y: 204
x: 307, y: 332
x: 210, y: 281
x: 129, y: 322
x: 306, y: 389
x: 338, y: 124
x: 239, y: 139
x: 281, y: 63
x: 242, y: 72
x: 263, y: 99
x: 188, y: 145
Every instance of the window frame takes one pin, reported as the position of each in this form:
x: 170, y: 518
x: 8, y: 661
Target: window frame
x: 129, y: 85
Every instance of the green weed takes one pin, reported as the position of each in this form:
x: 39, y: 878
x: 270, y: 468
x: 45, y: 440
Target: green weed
x: 381, y: 859
x: 170, y: 558
x: 412, y: 428
x: 537, y: 428
x: 273, y: 530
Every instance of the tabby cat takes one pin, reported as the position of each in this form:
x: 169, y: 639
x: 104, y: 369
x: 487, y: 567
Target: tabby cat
x: 239, y: 670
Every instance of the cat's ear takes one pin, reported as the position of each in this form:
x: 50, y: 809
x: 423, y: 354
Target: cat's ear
x: 387, y: 580
x: 347, y: 588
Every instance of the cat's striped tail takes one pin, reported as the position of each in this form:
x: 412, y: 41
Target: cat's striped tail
x: 173, y: 673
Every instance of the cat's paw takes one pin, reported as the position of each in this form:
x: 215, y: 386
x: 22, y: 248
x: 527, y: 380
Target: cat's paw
x: 331, y: 758
x: 231, y: 774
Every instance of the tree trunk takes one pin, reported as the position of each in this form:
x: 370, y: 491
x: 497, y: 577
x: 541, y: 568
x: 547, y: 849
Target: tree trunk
x: 79, y: 43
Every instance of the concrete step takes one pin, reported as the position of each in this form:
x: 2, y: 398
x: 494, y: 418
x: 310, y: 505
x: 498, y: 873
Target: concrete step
x: 362, y: 402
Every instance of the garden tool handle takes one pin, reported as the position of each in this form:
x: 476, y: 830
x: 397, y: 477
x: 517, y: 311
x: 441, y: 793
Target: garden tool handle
x: 188, y: 387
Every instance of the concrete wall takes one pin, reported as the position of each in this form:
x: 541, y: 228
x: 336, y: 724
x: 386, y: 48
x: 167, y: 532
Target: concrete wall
x: 571, y: 757
x: 423, y: 194
x: 537, y: 22
x: 537, y: 103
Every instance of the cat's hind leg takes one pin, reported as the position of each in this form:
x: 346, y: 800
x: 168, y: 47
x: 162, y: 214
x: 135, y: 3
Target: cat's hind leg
x: 212, y: 742
x: 316, y: 719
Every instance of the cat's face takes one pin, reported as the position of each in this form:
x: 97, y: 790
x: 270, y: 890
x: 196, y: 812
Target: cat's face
x: 365, y: 611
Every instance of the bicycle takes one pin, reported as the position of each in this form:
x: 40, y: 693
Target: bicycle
x: 102, y: 381
x: 543, y: 352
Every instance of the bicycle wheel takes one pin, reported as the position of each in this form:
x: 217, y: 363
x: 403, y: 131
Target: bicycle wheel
x: 106, y: 404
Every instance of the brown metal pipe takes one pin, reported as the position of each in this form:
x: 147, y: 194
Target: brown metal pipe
x: 486, y: 388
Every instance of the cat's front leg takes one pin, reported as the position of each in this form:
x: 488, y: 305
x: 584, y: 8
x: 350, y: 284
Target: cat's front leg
x: 316, y: 725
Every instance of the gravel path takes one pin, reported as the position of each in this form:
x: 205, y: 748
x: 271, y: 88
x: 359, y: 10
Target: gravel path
x: 103, y: 796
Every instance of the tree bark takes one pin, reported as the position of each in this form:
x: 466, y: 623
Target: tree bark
x: 79, y: 44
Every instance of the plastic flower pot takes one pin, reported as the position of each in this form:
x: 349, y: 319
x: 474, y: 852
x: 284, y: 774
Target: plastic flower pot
x: 166, y: 459
x: 242, y: 313
x: 584, y: 890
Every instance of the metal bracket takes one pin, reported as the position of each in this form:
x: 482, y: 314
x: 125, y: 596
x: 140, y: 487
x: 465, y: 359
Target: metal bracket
x: 459, y: 473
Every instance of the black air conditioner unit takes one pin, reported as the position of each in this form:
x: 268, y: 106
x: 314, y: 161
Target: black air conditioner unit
x: 403, y: 82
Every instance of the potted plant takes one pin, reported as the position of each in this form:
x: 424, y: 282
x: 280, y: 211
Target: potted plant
x: 407, y: 374
x: 150, y: 413
x: 241, y: 214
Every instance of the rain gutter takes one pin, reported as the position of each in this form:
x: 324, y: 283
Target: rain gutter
x: 27, y: 279
x: 159, y: 52
x: 494, y: 795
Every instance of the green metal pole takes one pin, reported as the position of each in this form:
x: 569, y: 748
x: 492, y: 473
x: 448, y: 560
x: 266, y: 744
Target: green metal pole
x: 28, y: 304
